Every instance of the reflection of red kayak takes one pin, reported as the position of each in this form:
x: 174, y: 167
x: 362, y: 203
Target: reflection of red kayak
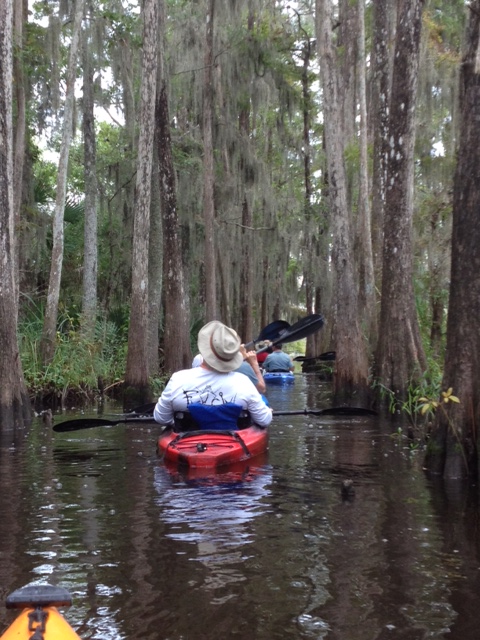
x: 39, y: 615
x: 243, y: 471
x: 212, y: 449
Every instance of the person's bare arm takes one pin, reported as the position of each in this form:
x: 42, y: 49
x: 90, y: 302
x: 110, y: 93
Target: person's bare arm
x: 251, y: 358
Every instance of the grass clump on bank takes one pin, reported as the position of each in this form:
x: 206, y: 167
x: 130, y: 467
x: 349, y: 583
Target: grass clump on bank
x: 84, y: 365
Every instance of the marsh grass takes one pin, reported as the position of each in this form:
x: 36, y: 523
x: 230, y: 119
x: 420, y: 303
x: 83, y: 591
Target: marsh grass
x: 83, y: 364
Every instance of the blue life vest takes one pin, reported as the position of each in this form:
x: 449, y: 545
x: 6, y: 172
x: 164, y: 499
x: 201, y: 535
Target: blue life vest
x: 216, y: 416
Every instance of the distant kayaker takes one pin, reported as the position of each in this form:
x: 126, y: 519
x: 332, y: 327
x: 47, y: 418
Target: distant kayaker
x: 278, y: 361
x: 215, y: 382
x: 262, y: 356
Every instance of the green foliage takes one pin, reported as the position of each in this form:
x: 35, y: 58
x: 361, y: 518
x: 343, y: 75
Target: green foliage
x: 428, y: 385
x: 429, y: 405
x: 157, y: 385
x: 79, y: 361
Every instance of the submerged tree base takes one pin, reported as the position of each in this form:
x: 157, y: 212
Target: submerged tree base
x: 133, y: 396
x: 16, y: 415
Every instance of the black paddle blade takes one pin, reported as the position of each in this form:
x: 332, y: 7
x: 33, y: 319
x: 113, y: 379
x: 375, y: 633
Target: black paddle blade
x: 301, y: 329
x: 270, y: 332
x: 327, y: 356
x: 273, y: 330
x: 84, y: 423
x: 90, y: 423
x: 324, y: 357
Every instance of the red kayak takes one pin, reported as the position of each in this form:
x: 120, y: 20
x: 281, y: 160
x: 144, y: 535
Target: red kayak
x: 204, y: 448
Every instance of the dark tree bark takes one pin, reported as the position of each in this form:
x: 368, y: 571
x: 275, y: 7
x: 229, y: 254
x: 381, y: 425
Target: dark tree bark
x: 452, y: 449
x: 246, y: 283
x: 351, y: 364
x: 89, y: 300
x: 310, y: 268
x: 137, y: 372
x: 155, y: 259
x: 380, y: 99
x: 14, y: 403
x: 367, y: 296
x: 176, y: 336
x: 211, y: 310
x: 20, y: 13
x: 400, y: 357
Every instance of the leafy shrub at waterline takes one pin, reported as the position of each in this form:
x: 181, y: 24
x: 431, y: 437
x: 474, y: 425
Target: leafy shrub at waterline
x: 79, y: 363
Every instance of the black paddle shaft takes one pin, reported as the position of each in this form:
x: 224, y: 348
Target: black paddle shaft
x: 90, y: 423
x: 330, y: 411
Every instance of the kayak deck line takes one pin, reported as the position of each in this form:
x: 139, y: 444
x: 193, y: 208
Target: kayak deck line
x: 39, y: 614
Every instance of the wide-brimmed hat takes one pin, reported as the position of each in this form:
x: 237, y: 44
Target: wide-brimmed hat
x: 220, y: 346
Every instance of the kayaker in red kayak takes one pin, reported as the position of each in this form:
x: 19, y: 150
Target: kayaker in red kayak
x: 214, y: 383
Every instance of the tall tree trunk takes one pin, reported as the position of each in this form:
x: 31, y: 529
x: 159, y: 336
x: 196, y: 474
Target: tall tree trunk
x: 364, y: 236
x: 20, y: 10
x: 137, y: 373
x: 246, y: 282
x: 310, y: 268
x: 211, y: 310
x: 400, y: 356
x: 381, y: 81
x: 89, y: 302
x: 47, y: 345
x: 14, y: 403
x: 155, y: 258
x: 176, y: 335
x: 351, y: 365
x: 452, y: 449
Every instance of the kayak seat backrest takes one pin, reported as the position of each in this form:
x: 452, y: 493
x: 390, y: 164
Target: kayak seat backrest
x: 213, y: 417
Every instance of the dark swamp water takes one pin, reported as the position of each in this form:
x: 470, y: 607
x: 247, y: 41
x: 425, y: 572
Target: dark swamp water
x: 272, y: 551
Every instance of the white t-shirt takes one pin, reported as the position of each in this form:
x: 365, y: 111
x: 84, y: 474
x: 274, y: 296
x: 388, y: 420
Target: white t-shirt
x: 210, y: 388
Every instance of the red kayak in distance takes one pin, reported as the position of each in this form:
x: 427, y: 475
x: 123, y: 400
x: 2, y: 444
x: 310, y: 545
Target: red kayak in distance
x: 212, y: 449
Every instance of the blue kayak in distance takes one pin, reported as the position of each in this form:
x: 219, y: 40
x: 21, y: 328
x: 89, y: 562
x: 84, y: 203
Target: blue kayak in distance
x: 279, y: 377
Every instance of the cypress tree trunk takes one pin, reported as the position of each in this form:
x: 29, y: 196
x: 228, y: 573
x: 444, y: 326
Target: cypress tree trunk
x: 246, y: 282
x: 89, y: 302
x: 14, y: 403
x: 400, y: 356
x: 351, y: 365
x: 155, y: 257
x: 381, y: 81
x: 47, y: 345
x: 19, y: 18
x: 452, y: 449
x: 137, y: 371
x: 176, y: 342
x: 364, y: 236
x: 211, y: 310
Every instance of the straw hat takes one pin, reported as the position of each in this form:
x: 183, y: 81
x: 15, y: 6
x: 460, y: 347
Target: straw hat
x: 220, y: 347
